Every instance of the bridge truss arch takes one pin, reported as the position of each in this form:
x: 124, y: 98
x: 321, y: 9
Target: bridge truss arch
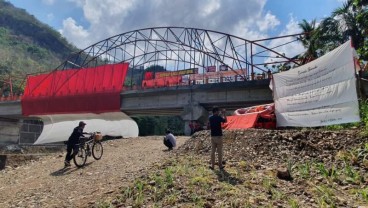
x: 178, y: 48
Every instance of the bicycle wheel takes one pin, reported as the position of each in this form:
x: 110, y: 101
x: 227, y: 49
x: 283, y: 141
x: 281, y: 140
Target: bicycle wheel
x: 80, y: 158
x: 97, y: 150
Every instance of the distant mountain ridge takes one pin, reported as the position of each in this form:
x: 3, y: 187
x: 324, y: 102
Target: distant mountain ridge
x: 27, y: 45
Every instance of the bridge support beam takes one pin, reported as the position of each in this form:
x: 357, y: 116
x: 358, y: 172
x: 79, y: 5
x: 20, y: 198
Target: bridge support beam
x: 191, y: 112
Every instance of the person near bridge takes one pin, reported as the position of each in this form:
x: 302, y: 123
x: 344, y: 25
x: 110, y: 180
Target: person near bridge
x: 169, y: 140
x: 73, y: 143
x: 215, y: 122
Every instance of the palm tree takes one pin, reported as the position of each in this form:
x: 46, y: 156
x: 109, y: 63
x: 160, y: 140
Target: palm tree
x: 348, y: 21
x: 361, y: 8
x: 329, y: 34
x: 309, y: 40
x: 359, y: 3
x: 349, y: 26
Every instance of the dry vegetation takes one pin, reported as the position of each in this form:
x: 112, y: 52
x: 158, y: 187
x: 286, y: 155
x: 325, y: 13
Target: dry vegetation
x: 328, y: 169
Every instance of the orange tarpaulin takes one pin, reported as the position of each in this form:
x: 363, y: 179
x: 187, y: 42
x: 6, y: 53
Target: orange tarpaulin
x: 241, y: 122
x: 261, y: 116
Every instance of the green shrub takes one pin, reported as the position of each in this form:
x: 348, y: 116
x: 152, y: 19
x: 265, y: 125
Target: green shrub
x: 364, y: 114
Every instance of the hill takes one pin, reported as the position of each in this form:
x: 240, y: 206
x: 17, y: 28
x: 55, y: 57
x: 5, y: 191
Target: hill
x: 27, y: 46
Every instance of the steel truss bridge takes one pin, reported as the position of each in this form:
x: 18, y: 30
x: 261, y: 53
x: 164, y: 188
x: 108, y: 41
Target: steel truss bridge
x: 178, y: 48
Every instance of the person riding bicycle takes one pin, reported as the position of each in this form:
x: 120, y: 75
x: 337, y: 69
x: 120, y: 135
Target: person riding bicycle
x: 73, y: 141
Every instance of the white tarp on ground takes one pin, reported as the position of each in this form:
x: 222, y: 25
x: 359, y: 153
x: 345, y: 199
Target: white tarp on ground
x: 320, y: 93
x: 58, y: 128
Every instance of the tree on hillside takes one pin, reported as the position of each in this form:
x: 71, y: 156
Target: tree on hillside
x: 155, y: 68
x: 27, y: 46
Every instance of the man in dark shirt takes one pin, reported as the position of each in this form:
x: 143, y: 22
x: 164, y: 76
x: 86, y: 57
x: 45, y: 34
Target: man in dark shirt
x: 216, y: 135
x: 73, y: 141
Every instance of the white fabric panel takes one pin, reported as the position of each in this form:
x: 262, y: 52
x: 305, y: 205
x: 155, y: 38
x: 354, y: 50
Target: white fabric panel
x: 58, y: 128
x: 332, y: 68
x: 325, y: 96
x: 322, y: 92
x: 329, y: 115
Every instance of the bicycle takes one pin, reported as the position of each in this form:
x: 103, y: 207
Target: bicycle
x: 88, y: 146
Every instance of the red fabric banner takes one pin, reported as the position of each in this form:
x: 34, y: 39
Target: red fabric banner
x: 211, y: 69
x: 162, y: 82
x: 90, y: 90
x: 159, y: 75
x: 148, y: 75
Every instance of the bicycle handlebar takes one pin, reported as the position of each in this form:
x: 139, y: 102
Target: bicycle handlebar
x: 91, y: 133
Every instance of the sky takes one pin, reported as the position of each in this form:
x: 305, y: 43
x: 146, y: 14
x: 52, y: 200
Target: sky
x: 84, y: 22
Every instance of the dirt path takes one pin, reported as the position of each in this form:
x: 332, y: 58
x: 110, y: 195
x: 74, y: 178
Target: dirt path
x: 44, y: 183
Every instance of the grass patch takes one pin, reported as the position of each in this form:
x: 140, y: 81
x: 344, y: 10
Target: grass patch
x: 186, y: 181
x: 325, y: 196
x: 305, y: 170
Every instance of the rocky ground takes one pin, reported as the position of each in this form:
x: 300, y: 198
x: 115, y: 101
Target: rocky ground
x: 271, y: 147
x: 264, y: 168
x: 39, y: 179
x: 322, y: 168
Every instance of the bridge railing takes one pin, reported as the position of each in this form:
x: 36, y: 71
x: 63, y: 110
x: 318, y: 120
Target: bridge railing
x: 154, y: 85
x: 10, y: 98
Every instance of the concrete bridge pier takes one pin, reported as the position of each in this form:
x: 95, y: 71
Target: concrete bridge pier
x: 19, y: 130
x: 9, y: 131
x: 193, y: 111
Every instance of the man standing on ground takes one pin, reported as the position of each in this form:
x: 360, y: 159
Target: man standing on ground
x: 73, y: 141
x: 215, y: 122
x: 169, y: 140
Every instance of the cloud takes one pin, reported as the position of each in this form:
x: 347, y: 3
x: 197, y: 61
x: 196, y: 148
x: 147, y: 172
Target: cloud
x: 48, y: 2
x: 246, y: 31
x: 211, y: 8
x: 268, y: 22
x: 79, y: 34
x: 244, y: 19
x: 79, y: 3
x: 50, y: 17
x: 290, y: 50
